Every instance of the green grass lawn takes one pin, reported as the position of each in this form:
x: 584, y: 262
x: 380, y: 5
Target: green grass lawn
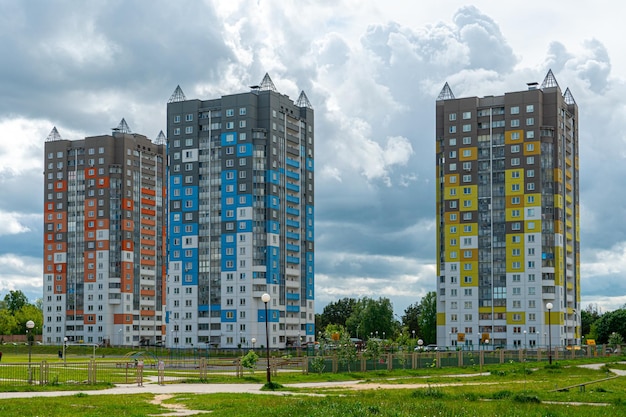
x: 511, y: 389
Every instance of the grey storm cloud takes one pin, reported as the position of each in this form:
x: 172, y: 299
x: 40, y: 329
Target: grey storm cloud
x: 373, y: 84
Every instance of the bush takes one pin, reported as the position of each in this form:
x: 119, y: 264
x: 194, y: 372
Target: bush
x: 500, y: 395
x: 249, y: 361
x: 523, y: 398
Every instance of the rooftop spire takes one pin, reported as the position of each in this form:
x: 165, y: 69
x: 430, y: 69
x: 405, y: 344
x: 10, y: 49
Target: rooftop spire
x: 446, y: 93
x: 267, y: 84
x: 54, y: 135
x: 122, y: 127
x: 568, y: 97
x: 160, y: 139
x: 303, y: 101
x: 549, y: 81
x: 177, y: 95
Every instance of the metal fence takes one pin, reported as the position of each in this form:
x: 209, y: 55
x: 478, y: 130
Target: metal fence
x: 124, y: 371
x: 441, y: 359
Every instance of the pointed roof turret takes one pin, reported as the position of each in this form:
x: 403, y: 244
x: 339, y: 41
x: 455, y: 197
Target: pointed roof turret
x: 303, y: 101
x: 568, y: 97
x: 160, y: 139
x: 54, y: 135
x: 549, y: 81
x: 122, y: 127
x: 446, y: 93
x: 267, y: 84
x: 177, y: 95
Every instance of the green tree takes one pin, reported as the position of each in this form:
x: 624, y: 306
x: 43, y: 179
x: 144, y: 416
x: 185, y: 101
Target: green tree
x: 15, y: 300
x: 336, y: 313
x: 372, y: 317
x: 29, y: 312
x: 249, y: 361
x: 411, y: 318
x: 8, y: 323
x: 609, y: 322
x: 588, y: 317
x: 428, y: 318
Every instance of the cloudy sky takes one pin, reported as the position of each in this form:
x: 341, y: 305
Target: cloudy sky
x: 372, y: 71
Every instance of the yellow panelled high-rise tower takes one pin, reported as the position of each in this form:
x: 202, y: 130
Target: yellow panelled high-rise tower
x: 508, y: 251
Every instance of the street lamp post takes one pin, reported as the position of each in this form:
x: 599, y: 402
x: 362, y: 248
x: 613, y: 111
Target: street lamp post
x: 253, y: 343
x: 420, y: 342
x: 266, y: 298
x: 30, y: 325
x: 64, y: 350
x: 549, y: 307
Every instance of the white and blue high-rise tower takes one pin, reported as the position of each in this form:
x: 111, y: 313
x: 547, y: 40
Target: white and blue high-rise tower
x: 240, y: 211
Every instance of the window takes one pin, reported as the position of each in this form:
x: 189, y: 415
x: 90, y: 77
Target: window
x: 453, y: 179
x: 242, y: 111
x: 453, y: 166
x: 467, y: 152
x: 452, y: 129
x: 530, y: 173
x: 467, y: 128
x: 514, y: 122
x: 530, y: 108
x: 467, y: 166
x: 189, y: 118
x: 230, y: 125
x: 515, y: 110
x: 453, y: 217
x: 452, y: 154
x: 530, y: 134
x: 467, y: 228
x: 514, y: 135
x: 242, y: 123
x: 515, y: 174
x: 530, y: 121
x: 467, y: 190
x: 516, y: 226
x: 514, y: 187
x: 467, y: 178
x: 467, y: 115
x: 177, y: 131
x: 530, y: 160
x: 467, y: 140
x: 515, y: 161
x: 452, y: 141
x: 467, y: 215
x: 230, y: 112
x: 530, y: 147
x: 177, y: 119
x: 514, y: 148
x: 452, y: 117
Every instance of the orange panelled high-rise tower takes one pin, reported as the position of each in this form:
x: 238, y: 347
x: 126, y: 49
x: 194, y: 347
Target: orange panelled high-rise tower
x: 104, y: 239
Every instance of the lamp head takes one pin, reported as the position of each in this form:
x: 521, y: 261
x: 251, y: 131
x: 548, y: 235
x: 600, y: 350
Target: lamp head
x: 549, y: 306
x: 30, y: 324
x: 265, y: 298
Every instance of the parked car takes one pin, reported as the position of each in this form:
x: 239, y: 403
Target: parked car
x: 427, y: 348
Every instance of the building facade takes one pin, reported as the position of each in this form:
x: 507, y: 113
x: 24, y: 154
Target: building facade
x: 241, y: 209
x: 104, y: 239
x: 508, y: 253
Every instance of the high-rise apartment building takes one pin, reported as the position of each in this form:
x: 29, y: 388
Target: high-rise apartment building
x: 241, y: 208
x: 104, y: 239
x: 508, y: 254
